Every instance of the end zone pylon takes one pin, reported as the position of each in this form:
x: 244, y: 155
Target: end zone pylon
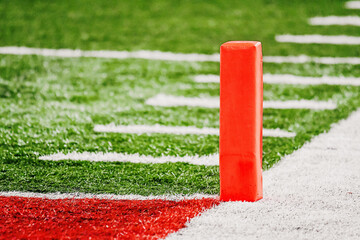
x: 241, y: 110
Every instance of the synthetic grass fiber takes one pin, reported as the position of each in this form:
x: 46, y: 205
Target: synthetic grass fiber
x: 50, y: 105
x: 181, y: 26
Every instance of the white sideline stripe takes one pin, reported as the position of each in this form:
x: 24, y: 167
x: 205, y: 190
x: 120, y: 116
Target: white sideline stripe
x: 290, y: 79
x: 158, y: 55
x: 141, y: 129
x: 314, y: 193
x: 319, y: 39
x: 209, y: 160
x: 78, y: 195
x: 352, y: 5
x: 335, y: 20
x: 213, y: 102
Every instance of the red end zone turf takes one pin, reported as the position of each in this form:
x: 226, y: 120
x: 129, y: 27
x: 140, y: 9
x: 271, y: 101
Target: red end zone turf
x: 22, y: 217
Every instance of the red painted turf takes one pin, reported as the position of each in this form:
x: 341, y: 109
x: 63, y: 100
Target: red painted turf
x: 39, y: 218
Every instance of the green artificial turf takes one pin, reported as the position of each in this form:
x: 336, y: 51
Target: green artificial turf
x: 177, y: 26
x: 50, y: 105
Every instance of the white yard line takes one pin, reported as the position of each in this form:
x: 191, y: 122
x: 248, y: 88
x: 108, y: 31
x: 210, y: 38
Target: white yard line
x: 306, y: 59
x: 290, y: 79
x: 174, y: 101
x: 300, y: 104
x: 352, y: 5
x: 313, y: 193
x: 318, y: 39
x: 143, y: 54
x: 181, y: 130
x: 327, y: 80
x: 207, y: 78
x: 213, y: 102
x: 169, y: 56
x: 278, y: 133
x: 209, y: 160
x: 78, y: 195
x: 335, y: 20
x: 141, y: 129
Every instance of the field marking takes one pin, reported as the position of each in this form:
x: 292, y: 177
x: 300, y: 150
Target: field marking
x: 207, y: 160
x: 207, y: 78
x: 318, y: 39
x: 352, y: 5
x: 335, y: 20
x: 181, y: 130
x: 290, y: 79
x: 168, y: 56
x: 163, y: 100
x: 141, y: 129
x: 175, y: 101
x: 300, y: 104
x: 307, y: 59
x: 314, y: 193
x: 78, y: 195
x: 327, y: 80
x: 142, y: 54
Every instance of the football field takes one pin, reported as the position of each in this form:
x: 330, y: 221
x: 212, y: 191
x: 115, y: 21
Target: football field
x: 114, y: 106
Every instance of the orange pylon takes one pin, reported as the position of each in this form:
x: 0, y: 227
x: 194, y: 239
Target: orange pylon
x: 241, y: 110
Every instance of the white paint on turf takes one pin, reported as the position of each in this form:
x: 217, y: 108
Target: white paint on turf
x: 142, y: 54
x: 313, y: 193
x: 335, y: 20
x: 319, y: 39
x: 208, y: 160
x: 207, y: 78
x: 168, y: 56
x: 78, y: 195
x: 175, y: 101
x: 141, y: 129
x: 290, y: 79
x: 327, y: 80
x: 277, y: 133
x: 163, y: 100
x: 307, y: 59
x: 300, y: 104
x: 352, y: 5
x: 180, y: 130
